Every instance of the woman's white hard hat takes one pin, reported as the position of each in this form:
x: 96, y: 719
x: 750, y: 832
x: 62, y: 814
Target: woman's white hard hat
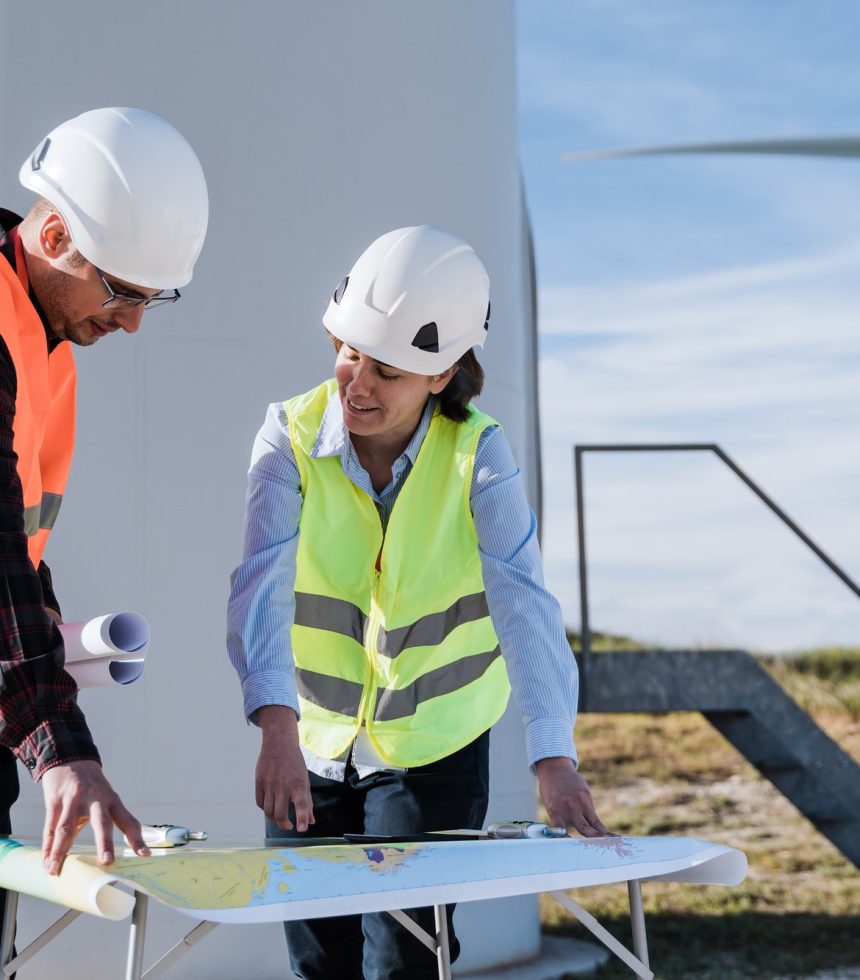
x: 418, y: 298
x: 131, y: 191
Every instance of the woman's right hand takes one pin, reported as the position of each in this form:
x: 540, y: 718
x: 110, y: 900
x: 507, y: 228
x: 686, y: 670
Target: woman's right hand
x: 282, y: 777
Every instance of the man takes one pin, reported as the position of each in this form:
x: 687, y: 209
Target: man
x: 116, y: 228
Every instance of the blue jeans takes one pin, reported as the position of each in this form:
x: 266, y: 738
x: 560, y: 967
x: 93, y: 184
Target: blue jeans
x: 445, y: 795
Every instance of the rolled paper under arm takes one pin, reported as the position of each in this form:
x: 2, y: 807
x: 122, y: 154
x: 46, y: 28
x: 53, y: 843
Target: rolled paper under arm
x: 122, y: 634
x: 105, y: 671
x: 106, y: 651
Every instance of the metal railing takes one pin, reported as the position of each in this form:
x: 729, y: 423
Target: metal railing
x: 672, y: 447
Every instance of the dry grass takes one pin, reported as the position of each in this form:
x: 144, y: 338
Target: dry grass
x: 798, y: 911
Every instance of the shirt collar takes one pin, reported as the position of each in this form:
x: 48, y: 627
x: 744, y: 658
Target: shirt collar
x: 8, y: 221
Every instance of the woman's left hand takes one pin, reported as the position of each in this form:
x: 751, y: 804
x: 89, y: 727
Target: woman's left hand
x: 567, y: 798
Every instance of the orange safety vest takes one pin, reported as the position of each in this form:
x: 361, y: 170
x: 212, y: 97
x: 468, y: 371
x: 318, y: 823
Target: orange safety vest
x: 44, y: 404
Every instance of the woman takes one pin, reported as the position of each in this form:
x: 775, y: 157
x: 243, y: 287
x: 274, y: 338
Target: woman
x: 390, y: 586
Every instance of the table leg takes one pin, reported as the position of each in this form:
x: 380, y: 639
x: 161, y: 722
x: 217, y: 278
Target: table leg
x: 637, y: 921
x: 137, y: 937
x: 7, y: 939
x: 606, y: 937
x: 443, y: 949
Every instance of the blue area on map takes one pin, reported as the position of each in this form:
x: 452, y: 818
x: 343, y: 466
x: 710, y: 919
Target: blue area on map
x: 299, y: 874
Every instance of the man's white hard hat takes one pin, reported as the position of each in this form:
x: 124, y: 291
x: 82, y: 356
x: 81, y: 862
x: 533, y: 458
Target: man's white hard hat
x: 418, y: 298
x: 131, y: 191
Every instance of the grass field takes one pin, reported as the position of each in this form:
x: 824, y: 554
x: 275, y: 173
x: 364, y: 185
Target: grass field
x: 798, y: 912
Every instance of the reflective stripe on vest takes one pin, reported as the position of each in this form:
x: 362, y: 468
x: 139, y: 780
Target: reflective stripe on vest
x: 393, y: 633
x: 324, y: 613
x: 432, y: 629
x: 42, y: 516
x: 331, y: 693
x: 344, y: 697
x: 402, y: 703
x: 44, y: 425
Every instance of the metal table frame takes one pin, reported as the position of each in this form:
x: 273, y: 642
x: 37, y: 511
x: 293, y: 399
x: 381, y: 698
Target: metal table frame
x: 637, y: 960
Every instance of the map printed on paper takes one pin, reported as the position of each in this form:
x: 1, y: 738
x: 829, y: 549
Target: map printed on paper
x: 274, y: 883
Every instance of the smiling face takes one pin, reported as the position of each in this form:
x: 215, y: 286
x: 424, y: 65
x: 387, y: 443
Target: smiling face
x: 380, y: 403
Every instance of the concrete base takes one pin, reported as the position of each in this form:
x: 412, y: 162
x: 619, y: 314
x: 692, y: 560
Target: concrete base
x: 558, y: 957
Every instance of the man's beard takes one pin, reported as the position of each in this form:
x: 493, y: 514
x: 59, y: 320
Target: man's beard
x: 56, y: 295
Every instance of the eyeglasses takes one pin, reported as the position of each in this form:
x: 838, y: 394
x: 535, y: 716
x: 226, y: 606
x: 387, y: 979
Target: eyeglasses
x: 126, y: 301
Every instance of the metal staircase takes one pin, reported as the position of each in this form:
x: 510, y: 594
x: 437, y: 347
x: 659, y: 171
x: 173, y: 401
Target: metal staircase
x: 737, y: 696
x: 743, y: 702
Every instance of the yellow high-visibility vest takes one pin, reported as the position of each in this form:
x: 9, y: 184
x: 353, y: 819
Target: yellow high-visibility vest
x: 392, y: 631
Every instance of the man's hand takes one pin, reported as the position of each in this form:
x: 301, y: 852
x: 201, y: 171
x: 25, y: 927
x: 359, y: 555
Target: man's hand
x: 78, y: 793
x: 282, y: 777
x: 567, y: 798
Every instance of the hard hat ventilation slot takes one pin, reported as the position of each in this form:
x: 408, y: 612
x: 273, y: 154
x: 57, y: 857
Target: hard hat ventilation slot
x: 341, y: 289
x: 40, y: 153
x: 487, y: 321
x: 427, y: 339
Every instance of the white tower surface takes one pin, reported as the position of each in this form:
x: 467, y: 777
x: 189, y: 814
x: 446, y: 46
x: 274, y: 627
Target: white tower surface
x: 319, y: 127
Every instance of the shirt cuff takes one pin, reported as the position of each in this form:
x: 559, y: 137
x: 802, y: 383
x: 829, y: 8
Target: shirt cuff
x: 269, y: 687
x: 548, y: 738
x: 55, y: 743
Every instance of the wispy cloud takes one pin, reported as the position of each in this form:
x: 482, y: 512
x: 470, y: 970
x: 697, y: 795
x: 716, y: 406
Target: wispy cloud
x: 613, y: 102
x: 759, y: 359
x: 698, y: 299
x: 634, y: 70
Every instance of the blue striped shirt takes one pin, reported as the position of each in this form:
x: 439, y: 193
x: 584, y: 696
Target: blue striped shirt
x: 526, y: 617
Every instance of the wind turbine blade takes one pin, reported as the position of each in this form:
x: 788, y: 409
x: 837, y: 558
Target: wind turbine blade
x: 814, y: 146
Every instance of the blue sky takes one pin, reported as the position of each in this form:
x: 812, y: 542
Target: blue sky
x: 706, y: 299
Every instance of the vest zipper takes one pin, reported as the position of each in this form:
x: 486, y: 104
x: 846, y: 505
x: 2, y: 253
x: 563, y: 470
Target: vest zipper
x: 368, y: 696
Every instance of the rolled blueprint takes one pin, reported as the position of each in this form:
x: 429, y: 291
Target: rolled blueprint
x: 105, y: 671
x: 121, y: 634
x: 83, y: 885
x: 107, y: 650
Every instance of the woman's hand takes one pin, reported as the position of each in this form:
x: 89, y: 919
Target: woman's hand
x: 567, y: 798
x: 281, y: 776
